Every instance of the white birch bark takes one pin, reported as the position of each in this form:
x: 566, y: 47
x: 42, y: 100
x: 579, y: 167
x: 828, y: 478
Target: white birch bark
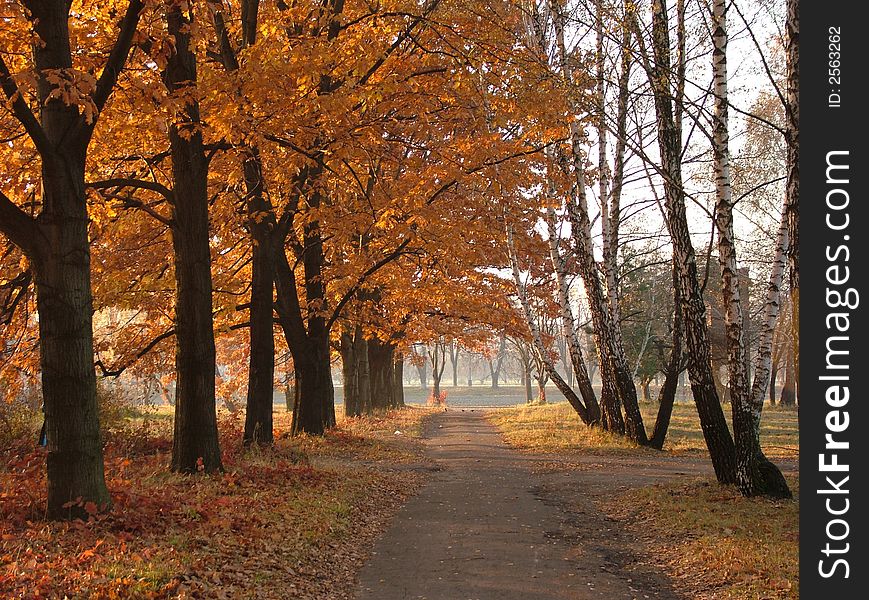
x: 772, y: 308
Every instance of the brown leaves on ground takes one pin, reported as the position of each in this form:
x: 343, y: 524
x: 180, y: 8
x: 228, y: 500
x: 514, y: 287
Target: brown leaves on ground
x: 276, y: 524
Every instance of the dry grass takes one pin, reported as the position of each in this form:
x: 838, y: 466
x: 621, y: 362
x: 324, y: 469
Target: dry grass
x: 715, y: 543
x: 556, y: 427
x: 291, y: 521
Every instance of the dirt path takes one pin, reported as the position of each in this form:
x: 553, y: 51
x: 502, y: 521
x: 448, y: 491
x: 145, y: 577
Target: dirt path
x: 490, y: 525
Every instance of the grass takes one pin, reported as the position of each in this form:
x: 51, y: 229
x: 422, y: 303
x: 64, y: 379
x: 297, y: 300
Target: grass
x: 556, y: 428
x: 287, y: 520
x: 715, y: 543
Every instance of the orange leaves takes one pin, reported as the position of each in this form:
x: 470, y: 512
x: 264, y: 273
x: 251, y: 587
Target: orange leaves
x: 73, y: 88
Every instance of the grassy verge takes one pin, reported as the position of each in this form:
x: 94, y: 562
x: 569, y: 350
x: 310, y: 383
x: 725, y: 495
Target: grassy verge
x: 277, y: 523
x: 713, y: 542
x: 556, y: 427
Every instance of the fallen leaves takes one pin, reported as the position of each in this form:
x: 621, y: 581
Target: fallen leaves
x: 292, y: 521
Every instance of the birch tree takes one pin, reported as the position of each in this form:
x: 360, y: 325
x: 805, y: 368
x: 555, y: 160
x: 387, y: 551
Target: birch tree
x: 750, y: 479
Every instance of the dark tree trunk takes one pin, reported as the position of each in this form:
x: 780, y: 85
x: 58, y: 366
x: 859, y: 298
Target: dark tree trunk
x: 364, y: 388
x: 610, y: 407
x: 398, y: 380
x: 666, y: 398
x: 259, y: 423
x: 718, y: 439
x: 789, y: 390
x: 644, y: 386
x: 381, y: 356
x: 64, y: 305
x: 350, y: 370
x: 315, y: 407
x: 195, y: 444
x: 57, y: 244
x: 773, y: 375
x: 529, y: 395
x: 667, y: 394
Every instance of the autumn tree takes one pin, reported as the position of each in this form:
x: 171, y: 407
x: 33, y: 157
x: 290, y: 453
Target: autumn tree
x: 68, y: 85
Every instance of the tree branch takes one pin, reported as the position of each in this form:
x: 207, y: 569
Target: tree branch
x: 18, y: 226
x: 122, y: 182
x: 22, y: 111
x: 118, y: 55
x: 362, y: 278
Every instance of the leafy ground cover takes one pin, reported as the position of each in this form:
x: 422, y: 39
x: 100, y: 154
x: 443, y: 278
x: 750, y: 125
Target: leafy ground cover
x: 287, y: 522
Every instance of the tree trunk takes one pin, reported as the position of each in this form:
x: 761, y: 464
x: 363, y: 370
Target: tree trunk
x: 772, y: 383
x: 398, y: 380
x: 454, y: 359
x: 64, y: 305
x: 575, y: 401
x: 422, y: 371
x: 667, y: 394
x: 610, y: 407
x: 350, y: 371
x: 568, y: 324
x: 195, y: 444
x: 789, y: 389
x: 541, y: 390
x: 606, y: 331
x: 364, y: 373
x: 57, y: 244
x: 792, y: 184
x: 315, y: 407
x: 381, y: 356
x: 529, y: 396
x: 259, y: 422
x: 754, y: 474
x: 644, y: 385
x: 714, y: 426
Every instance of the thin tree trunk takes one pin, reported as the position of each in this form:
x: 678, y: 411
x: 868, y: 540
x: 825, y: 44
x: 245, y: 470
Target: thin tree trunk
x: 667, y: 394
x: 195, y: 445
x: 568, y: 324
x: 789, y: 389
x: 755, y: 475
x: 575, y: 401
x: 398, y: 381
x: 454, y: 359
x: 607, y: 336
x: 259, y: 421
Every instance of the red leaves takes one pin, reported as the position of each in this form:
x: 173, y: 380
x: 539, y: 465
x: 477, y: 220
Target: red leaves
x: 270, y: 523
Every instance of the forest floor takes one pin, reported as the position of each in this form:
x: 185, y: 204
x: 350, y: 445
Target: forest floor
x: 516, y: 503
x: 666, y: 507
x: 296, y: 521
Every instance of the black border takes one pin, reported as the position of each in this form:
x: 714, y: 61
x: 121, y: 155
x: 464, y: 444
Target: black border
x: 823, y: 129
